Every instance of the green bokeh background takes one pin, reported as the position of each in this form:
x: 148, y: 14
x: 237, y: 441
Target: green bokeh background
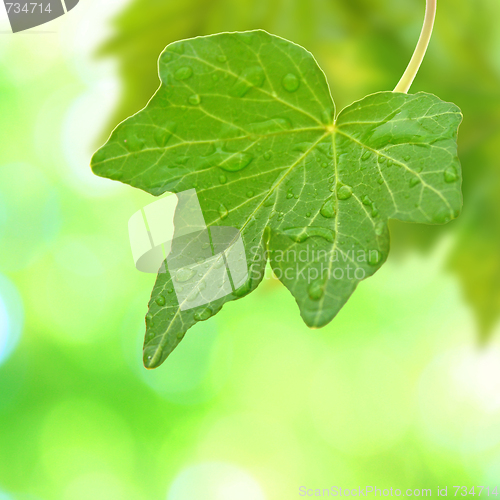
x: 401, y: 390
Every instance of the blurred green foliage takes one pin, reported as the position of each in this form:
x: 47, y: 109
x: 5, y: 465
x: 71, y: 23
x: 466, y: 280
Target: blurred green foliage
x: 393, y: 393
x: 364, y: 46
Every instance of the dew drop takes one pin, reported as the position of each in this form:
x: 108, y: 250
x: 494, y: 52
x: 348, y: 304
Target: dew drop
x: 390, y: 162
x: 381, y: 159
x: 177, y: 47
x: 160, y: 300
x: 170, y: 290
x: 324, y: 164
x: 300, y: 234
x: 327, y: 116
x: 442, y: 216
x: 267, y: 155
x: 290, y: 82
x: 221, y: 58
x: 308, y: 214
x: 223, y: 211
x: 184, y: 274
x: 236, y: 162
x: 374, y: 257
x: 289, y: 195
x: 380, y: 180
x: 152, y: 356
x: 366, y: 155
x: 379, y: 228
x: 406, y: 157
x: 302, y: 147
x: 243, y: 290
x: 414, y: 181
x: 149, y: 319
x: 183, y: 73
x: 203, y: 314
x: 163, y: 135
x: 215, y: 77
x: 193, y: 294
x: 270, y: 126
x: 344, y: 192
x: 194, y: 99
x: 328, y: 208
x: 249, y: 78
x: 133, y: 143
x: 316, y: 290
x: 166, y: 57
x: 270, y: 200
x: 222, y: 179
x: 219, y: 263
x: 250, y: 193
x: 450, y: 175
x: 366, y: 200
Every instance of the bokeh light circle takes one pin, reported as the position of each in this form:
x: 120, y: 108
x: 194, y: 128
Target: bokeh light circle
x: 459, y: 398
x: 215, y: 481
x: 11, y: 318
x: 30, y: 215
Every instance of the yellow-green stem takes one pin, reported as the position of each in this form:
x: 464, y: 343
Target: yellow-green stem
x: 418, y: 56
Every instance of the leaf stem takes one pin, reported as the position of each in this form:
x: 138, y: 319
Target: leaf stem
x: 420, y: 50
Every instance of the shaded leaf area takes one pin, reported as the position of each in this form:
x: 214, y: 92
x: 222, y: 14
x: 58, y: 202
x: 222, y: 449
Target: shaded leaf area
x: 247, y: 120
x: 361, y: 54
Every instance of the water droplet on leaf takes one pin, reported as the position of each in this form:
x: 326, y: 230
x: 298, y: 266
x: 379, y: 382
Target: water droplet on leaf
x: 316, y: 289
x: 194, y: 99
x: 450, y: 175
x: 374, y: 257
x: 160, y: 300
x: 300, y: 234
x: 236, y: 162
x: 163, y: 135
x: 290, y: 82
x: 203, y: 314
x: 133, y: 143
x: 328, y: 208
x: 184, y: 274
x: 344, y: 192
x: 270, y: 200
x: 249, y: 78
x: 183, y: 73
x: 223, y: 211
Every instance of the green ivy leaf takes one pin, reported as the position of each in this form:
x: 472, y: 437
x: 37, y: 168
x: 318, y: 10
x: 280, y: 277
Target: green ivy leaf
x: 247, y: 120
